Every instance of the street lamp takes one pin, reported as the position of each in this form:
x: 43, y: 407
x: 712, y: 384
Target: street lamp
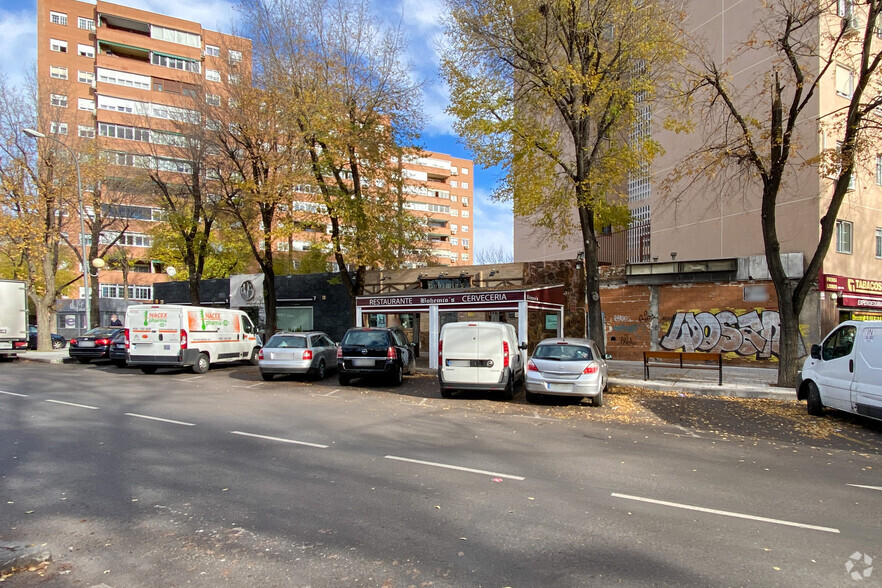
x: 85, y: 260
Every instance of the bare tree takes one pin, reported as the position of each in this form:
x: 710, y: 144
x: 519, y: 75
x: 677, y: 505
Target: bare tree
x: 758, y: 126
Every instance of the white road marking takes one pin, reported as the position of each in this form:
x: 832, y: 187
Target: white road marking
x: 189, y: 379
x: 454, y: 467
x: 13, y: 393
x: 248, y: 387
x: 867, y: 487
x: 329, y: 393
x: 72, y: 404
x: 152, y: 418
x: 280, y: 439
x: 535, y: 417
x: 725, y: 513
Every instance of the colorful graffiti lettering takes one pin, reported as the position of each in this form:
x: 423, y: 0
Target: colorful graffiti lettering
x: 751, y: 334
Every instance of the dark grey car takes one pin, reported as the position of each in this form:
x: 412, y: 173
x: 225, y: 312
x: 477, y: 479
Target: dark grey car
x: 375, y: 351
x: 311, y: 353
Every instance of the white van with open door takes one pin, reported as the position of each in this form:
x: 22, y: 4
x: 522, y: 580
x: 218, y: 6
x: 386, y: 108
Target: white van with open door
x: 479, y: 355
x: 172, y: 335
x: 845, y: 371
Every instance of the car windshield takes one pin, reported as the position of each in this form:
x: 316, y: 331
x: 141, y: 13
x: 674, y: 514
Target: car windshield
x: 295, y: 341
x: 366, y: 338
x: 563, y: 352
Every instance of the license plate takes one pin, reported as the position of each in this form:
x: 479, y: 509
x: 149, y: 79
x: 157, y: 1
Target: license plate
x: 363, y: 362
x: 86, y: 344
x: 560, y: 387
x: 275, y: 356
x: 459, y: 363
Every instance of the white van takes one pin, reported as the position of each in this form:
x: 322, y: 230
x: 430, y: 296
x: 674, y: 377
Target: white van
x: 478, y: 355
x: 172, y: 335
x: 845, y: 371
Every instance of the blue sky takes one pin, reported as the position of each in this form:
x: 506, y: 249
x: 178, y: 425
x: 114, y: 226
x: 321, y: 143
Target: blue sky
x: 421, y: 21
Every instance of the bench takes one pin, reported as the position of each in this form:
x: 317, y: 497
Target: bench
x: 683, y: 360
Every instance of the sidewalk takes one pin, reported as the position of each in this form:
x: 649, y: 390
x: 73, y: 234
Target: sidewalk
x: 741, y: 382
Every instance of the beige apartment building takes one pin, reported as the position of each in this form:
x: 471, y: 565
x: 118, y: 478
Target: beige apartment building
x: 718, y: 218
x: 122, y: 84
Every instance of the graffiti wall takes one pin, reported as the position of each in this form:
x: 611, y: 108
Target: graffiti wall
x: 752, y: 334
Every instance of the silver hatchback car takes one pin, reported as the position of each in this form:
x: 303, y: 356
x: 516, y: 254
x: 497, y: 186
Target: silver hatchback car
x: 311, y: 353
x: 566, y: 367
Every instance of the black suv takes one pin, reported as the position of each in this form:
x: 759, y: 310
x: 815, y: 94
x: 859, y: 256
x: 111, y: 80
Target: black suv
x: 372, y: 351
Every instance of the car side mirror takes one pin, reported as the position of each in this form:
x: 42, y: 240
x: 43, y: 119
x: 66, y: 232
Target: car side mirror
x: 607, y: 356
x: 816, y: 351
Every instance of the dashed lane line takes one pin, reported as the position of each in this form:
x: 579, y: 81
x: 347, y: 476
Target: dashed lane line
x: 279, y: 439
x: 866, y: 487
x: 453, y: 467
x: 725, y: 513
x: 153, y: 418
x: 13, y: 393
x: 73, y: 404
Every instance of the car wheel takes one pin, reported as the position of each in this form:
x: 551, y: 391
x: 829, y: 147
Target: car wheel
x: 531, y: 396
x: 508, y: 392
x: 397, y: 375
x: 597, y: 400
x: 148, y: 369
x: 202, y: 364
x: 83, y: 359
x: 253, y: 359
x: 266, y: 377
x: 343, y: 379
x: 56, y: 344
x: 320, y: 371
x: 813, y: 400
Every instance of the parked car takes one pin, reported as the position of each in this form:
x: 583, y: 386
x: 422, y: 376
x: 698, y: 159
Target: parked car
x: 311, y: 353
x: 93, y: 344
x: 567, y: 367
x: 480, y: 355
x: 58, y: 342
x: 375, y: 351
x: 845, y: 371
x: 118, y: 350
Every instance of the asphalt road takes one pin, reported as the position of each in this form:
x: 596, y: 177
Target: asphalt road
x: 177, y: 479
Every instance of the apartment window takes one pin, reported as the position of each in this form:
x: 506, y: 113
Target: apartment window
x: 844, y: 8
x: 851, y: 180
x: 465, y: 200
x: 57, y: 128
x: 879, y: 170
x: 235, y: 56
x: 87, y: 24
x: 175, y: 36
x: 85, y: 50
x: 453, y: 229
x: 465, y: 185
x: 212, y: 50
x: 58, y: 18
x: 465, y: 243
x: 233, y: 79
x: 454, y: 241
x: 844, y: 81
x: 58, y: 100
x: 465, y: 214
x: 123, y: 78
x: 86, y: 104
x: 453, y: 198
x: 463, y: 256
x: 86, y: 77
x: 454, y: 212
x: 59, y: 73
x: 86, y: 132
x: 465, y: 228
x: 464, y: 171
x: 213, y: 99
x: 843, y: 236
x: 123, y: 132
x: 878, y: 242
x: 212, y: 75
x: 175, y: 62
x: 56, y: 45
x: 454, y: 184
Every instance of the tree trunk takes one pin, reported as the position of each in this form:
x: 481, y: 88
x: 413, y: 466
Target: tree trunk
x: 596, y: 329
x: 193, y: 277
x: 269, y: 299
x: 44, y: 326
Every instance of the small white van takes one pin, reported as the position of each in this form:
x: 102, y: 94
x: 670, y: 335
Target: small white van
x: 172, y: 335
x: 845, y: 371
x: 479, y: 355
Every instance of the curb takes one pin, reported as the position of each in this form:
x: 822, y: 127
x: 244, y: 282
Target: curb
x: 19, y: 556
x: 730, y: 390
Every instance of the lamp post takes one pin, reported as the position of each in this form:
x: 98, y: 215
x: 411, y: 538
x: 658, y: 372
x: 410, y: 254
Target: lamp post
x: 38, y: 135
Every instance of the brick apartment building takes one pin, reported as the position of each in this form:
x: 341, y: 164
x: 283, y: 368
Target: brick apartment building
x: 121, y: 84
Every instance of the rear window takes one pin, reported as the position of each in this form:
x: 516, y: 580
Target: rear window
x: 287, y: 341
x: 366, y: 338
x: 563, y: 352
x: 101, y: 332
